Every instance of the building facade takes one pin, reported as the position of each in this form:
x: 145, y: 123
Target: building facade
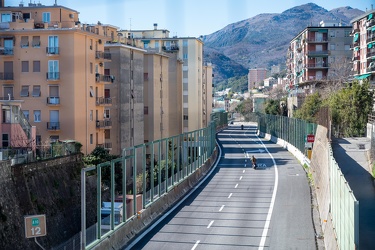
x: 255, y: 78
x: 363, y: 46
x: 53, y: 65
x: 188, y: 51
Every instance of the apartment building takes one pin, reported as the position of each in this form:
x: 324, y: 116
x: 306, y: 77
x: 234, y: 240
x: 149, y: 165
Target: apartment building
x: 314, y: 50
x: 189, y: 51
x: 125, y: 95
x: 363, y: 46
x: 52, y: 66
x: 255, y: 78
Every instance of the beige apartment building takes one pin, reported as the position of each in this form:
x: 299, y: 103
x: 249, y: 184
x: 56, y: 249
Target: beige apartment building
x: 52, y: 67
x: 363, y: 46
x: 188, y: 50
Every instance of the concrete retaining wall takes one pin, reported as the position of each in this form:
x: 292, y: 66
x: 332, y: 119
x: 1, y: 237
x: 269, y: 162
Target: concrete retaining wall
x: 145, y: 217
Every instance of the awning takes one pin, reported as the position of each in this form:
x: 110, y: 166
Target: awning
x: 360, y: 77
x: 356, y: 36
x: 323, y: 30
x: 356, y: 48
x: 373, y: 29
x: 370, y: 16
x: 369, y: 45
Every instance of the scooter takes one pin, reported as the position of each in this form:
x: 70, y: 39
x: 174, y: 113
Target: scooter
x: 241, y: 127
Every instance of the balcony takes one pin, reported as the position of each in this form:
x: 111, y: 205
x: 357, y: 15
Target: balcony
x: 317, y: 65
x: 356, y: 44
x: 103, y: 124
x: 370, y: 38
x: 370, y: 23
x: 170, y: 48
x: 53, y: 126
x: 355, y: 58
x: 370, y: 54
x: 53, y: 100
x: 316, y: 40
x: 318, y: 53
x: 52, y: 50
x: 101, y: 101
x: 355, y: 30
x: 53, y: 76
x: 103, y: 55
x: 99, y: 78
x: 7, y: 52
x: 7, y: 76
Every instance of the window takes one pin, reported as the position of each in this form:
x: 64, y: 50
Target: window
x: 6, y: 17
x: 156, y: 45
x: 46, y: 17
x: 145, y: 110
x: 91, y: 68
x: 91, y: 115
x: 24, y: 91
x: 333, y: 46
x: 24, y: 41
x: 26, y: 114
x: 91, y: 91
x: 91, y: 44
x: 25, y: 66
x: 107, y: 134
x: 106, y: 114
x: 6, y: 115
x: 54, y: 138
x: 185, y: 42
x: 36, y: 41
x: 53, y: 70
x: 37, y: 116
x: 185, y: 56
x: 53, y: 91
x: 347, y: 47
x: 332, y: 33
x: 36, y: 66
x: 8, y: 92
x: 38, y: 139
x: 36, y: 90
x: 347, y: 33
x: 91, y: 139
x: 5, y: 139
x: 53, y: 45
x: 186, y: 117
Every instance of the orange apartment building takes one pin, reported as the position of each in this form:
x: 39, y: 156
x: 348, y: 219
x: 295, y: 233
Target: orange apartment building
x: 363, y: 46
x: 52, y: 68
x: 255, y: 78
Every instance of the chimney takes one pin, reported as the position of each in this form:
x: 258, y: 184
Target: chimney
x: 155, y: 26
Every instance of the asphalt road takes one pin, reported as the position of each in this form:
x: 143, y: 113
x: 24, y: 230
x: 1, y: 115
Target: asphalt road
x: 238, y: 207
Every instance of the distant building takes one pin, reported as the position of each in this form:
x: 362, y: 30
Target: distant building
x: 364, y: 46
x: 256, y: 77
x: 270, y: 82
x: 275, y: 69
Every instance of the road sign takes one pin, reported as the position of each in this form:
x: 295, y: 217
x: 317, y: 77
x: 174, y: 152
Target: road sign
x: 35, y: 226
x: 310, y: 138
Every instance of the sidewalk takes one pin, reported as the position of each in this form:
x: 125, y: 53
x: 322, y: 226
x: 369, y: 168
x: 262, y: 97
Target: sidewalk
x: 351, y: 156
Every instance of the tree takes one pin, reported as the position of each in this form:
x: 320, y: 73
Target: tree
x: 350, y: 108
x: 245, y: 107
x: 276, y: 107
x: 309, y: 108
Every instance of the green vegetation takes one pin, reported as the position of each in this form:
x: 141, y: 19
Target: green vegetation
x: 245, y: 107
x: 349, y: 108
x: 276, y: 107
x: 237, y: 84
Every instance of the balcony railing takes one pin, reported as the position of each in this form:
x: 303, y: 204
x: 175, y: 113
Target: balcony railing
x: 356, y: 44
x: 7, y: 76
x: 103, y: 123
x: 317, y: 65
x: 370, y: 70
x: 103, y: 101
x: 355, y: 58
x: 317, y: 40
x: 6, y: 98
x: 53, y: 100
x: 171, y: 48
x: 53, y: 76
x: 370, y: 23
x: 370, y: 54
x: 103, y: 55
x: 52, y: 50
x: 104, y: 78
x: 7, y: 52
x: 53, y: 125
x: 317, y: 53
x: 370, y: 38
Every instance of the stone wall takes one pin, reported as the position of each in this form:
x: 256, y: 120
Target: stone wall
x: 49, y: 187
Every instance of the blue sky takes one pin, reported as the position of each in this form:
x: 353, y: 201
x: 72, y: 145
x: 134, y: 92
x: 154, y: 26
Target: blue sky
x: 182, y: 17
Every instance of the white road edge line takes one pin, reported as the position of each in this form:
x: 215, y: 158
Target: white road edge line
x: 222, y: 207
x: 270, y: 210
x: 196, y: 244
x: 209, y: 225
x: 178, y: 204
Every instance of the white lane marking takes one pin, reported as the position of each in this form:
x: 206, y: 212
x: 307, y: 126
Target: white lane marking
x: 244, y: 166
x: 270, y: 210
x: 236, y: 185
x: 244, y: 170
x: 196, y: 244
x: 241, y: 178
x: 209, y: 225
x: 178, y: 204
x: 230, y: 195
x: 222, y: 207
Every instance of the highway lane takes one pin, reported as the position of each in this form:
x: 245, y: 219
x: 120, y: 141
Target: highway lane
x: 238, y: 207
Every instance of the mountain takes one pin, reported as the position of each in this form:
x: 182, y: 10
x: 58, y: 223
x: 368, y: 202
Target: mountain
x: 263, y: 40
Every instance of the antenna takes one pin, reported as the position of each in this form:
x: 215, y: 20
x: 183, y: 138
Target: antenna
x: 130, y: 21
